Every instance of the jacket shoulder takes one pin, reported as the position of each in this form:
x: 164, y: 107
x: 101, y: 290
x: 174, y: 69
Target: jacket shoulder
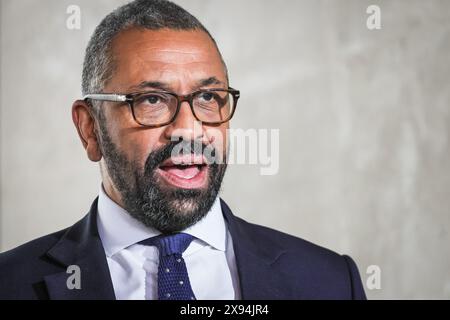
x: 330, y: 274
x: 26, y: 265
x: 285, y: 241
x: 32, y: 249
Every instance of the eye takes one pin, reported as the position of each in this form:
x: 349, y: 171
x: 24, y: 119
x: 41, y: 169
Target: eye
x: 207, y: 96
x: 152, y: 99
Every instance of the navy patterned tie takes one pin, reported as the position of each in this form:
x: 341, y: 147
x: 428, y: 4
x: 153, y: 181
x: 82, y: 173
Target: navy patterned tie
x: 173, y: 279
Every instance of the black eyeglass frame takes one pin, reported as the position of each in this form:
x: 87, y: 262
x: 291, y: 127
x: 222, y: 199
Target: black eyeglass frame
x: 130, y: 98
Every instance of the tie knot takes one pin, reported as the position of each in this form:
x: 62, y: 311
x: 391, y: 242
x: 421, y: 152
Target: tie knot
x: 167, y: 245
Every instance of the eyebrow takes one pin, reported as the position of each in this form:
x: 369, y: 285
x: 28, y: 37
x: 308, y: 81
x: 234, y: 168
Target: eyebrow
x: 209, y: 81
x: 166, y: 87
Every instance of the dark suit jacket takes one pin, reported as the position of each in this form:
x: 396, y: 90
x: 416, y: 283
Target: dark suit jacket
x: 271, y: 265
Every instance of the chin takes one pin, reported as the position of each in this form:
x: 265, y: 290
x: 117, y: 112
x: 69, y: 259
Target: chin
x: 184, y: 206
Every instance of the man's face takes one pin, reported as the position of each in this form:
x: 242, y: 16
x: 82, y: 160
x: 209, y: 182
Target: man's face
x: 136, y: 168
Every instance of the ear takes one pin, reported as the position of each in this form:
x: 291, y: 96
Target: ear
x: 85, y: 124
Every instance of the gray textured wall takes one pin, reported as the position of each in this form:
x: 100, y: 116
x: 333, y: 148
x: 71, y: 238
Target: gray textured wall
x: 363, y: 117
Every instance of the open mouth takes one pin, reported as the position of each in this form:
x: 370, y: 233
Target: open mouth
x: 183, y: 171
x: 188, y: 176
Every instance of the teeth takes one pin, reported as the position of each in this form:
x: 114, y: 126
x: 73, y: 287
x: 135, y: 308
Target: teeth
x: 184, y: 165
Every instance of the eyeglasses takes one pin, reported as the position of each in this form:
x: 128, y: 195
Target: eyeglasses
x: 160, y: 108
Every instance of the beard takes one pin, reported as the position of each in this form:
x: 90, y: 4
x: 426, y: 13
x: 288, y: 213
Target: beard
x: 166, y: 209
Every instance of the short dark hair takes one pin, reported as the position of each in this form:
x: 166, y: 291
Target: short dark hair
x: 147, y: 14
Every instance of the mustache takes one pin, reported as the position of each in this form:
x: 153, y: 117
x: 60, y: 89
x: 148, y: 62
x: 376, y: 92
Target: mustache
x: 197, y: 147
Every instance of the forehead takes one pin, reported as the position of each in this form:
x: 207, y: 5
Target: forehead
x: 170, y: 56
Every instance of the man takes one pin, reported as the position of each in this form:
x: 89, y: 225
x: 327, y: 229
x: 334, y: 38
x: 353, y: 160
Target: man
x: 155, y: 115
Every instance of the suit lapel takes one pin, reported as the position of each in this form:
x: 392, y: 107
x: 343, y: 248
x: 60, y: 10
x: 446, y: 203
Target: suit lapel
x: 81, y: 246
x: 256, y: 259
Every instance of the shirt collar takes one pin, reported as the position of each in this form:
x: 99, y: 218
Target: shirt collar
x: 119, y: 230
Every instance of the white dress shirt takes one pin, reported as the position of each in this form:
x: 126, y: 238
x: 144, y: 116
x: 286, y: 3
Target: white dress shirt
x: 210, y: 259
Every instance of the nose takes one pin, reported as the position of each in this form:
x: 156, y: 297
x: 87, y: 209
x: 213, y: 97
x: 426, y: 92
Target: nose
x: 185, y: 126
